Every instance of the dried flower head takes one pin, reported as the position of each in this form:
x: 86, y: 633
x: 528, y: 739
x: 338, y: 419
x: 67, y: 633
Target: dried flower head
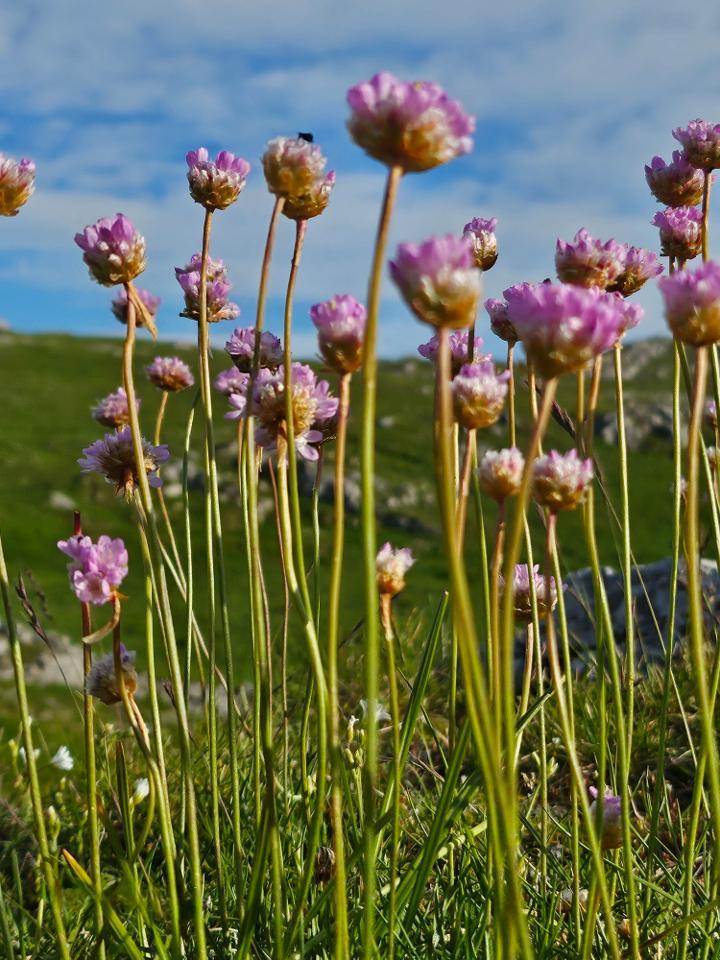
x: 500, y: 321
x: 438, y: 280
x: 588, y: 262
x: 114, y: 458
x: 150, y: 305
x: 415, y: 126
x: 216, y: 183
x: 217, y: 286
x: 113, y: 410
x: 611, y: 824
x: 522, y: 596
x: 560, y: 481
x: 500, y: 473
x: 680, y: 231
x: 102, y: 682
x: 113, y: 250
x: 324, y: 865
x: 17, y: 184
x: 701, y: 144
x: 96, y: 570
x: 340, y: 324
x: 676, y: 184
x: 241, y: 348
x: 170, y: 374
x: 392, y: 564
x: 639, y: 266
x: 231, y: 381
x: 481, y: 233
x: 478, y: 394
x: 459, y: 349
x: 692, y: 303
x: 311, y: 404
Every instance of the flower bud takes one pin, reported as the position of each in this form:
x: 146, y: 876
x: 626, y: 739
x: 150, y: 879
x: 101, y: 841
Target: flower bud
x: 481, y: 233
x: 392, y: 564
x: 478, y: 394
x: 500, y: 473
x: 560, y: 482
x: 215, y: 184
x: 340, y: 323
x: 170, y: 374
x: 701, y: 144
x: 113, y: 250
x: 611, y: 824
x: 113, y: 410
x: 676, y: 184
x: 500, y: 321
x: 680, y: 232
x: 522, y: 597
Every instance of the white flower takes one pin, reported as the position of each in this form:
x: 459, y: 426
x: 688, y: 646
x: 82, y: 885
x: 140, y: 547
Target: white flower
x: 380, y: 712
x: 63, y: 759
x: 141, y: 789
x: 36, y: 753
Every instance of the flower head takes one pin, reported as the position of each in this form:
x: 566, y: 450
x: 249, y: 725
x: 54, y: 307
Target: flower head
x: 241, y: 348
x: 231, y: 381
x: 17, y: 184
x: 114, y: 458
x: 713, y: 456
x: 560, y: 481
x: 313, y: 202
x: 292, y: 166
x: 611, y: 826
x: 500, y: 473
x: 692, y: 303
x: 522, y: 596
x: 170, y: 374
x: 711, y: 413
x: 680, y: 231
x: 113, y: 250
x: 150, y: 305
x: 500, y: 321
x: 588, y: 262
x: 630, y: 314
x: 459, y: 349
x: 340, y: 324
x: 639, y: 266
x: 102, y: 682
x: 311, y: 405
x: 113, y: 410
x: 438, y: 280
x: 562, y: 326
x: 481, y: 233
x: 63, y: 759
x: 391, y: 565
x: 478, y: 394
x: 216, y: 183
x: 415, y: 126
x: 217, y: 285
x: 96, y: 570
x: 701, y: 144
x: 141, y: 790
x: 676, y: 184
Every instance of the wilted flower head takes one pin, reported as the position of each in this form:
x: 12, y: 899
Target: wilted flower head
x: 170, y: 374
x: 478, y: 394
x: 96, y: 570
x: 588, y: 262
x: 692, y: 303
x: 17, y: 183
x: 113, y: 250
x: 500, y: 473
x: 113, y: 410
x: 560, y: 481
x: 340, y: 324
x: 611, y: 826
x: 311, y: 404
x: 438, y: 280
x: 114, y: 458
x: 231, y: 381
x: 62, y: 759
x: 562, y: 326
x: 150, y: 304
x: 711, y: 413
x: 216, y: 183
x: 639, y: 266
x: 241, y: 347
x: 481, y: 233
x: 392, y: 564
x: 680, y: 231
x: 500, y: 321
x: 676, y: 184
x: 218, y: 287
x: 102, y: 682
x: 522, y: 599
x: 701, y: 144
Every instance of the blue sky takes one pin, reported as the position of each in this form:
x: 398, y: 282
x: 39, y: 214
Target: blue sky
x: 571, y: 100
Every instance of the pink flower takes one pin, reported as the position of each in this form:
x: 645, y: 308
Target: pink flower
x: 639, y: 266
x: 170, y: 374
x: 481, y: 234
x: 611, y: 824
x: 217, y: 285
x: 438, y: 280
x: 97, y: 569
x: 588, y: 262
x: 340, y: 324
x: 500, y: 322
x: 231, y: 381
x: 17, y: 184
x: 294, y: 169
x: 392, y: 564
x: 676, y: 184
x: 459, y: 340
x: 522, y: 596
x: 241, y: 348
x: 478, y: 394
x: 113, y: 410
x: 680, y: 232
x: 560, y: 481
x: 411, y: 125
x: 113, y: 250
x: 692, y: 303
x: 149, y: 302
x: 114, y: 458
x: 216, y: 183
x: 500, y: 473
x: 701, y: 144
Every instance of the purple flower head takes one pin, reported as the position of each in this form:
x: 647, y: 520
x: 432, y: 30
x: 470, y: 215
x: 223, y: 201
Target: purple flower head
x: 522, y: 596
x: 17, y: 184
x: 611, y: 826
x: 241, y: 347
x: 500, y: 473
x: 710, y: 412
x: 217, y: 285
x: 676, y: 184
x: 701, y: 144
x: 391, y: 565
x: 459, y: 347
x: 340, y: 324
x: 588, y: 262
x: 293, y: 166
x: 97, y: 569
x: 149, y: 303
x: 481, y: 233
x: 560, y: 481
x: 313, y: 202
x: 630, y: 314
x: 692, y: 303
x: 113, y: 410
x: 170, y: 374
x: 478, y: 394
x: 500, y: 322
x: 680, y: 231
x: 102, y: 681
x: 639, y: 266
x: 438, y: 280
x: 114, y: 458
x: 231, y: 381
x: 562, y: 326
x: 113, y: 250
x: 415, y: 126
x: 311, y: 405
x: 216, y: 183
x: 238, y: 401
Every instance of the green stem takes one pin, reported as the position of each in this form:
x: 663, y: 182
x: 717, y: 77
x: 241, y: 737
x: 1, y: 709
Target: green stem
x: 386, y: 617
x: 511, y: 394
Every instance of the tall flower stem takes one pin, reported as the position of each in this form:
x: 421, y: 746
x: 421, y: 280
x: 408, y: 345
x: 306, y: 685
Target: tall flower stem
x: 52, y: 883
x: 369, y: 545
x: 469, y: 458
x: 386, y: 618
x: 496, y: 676
x: 511, y: 393
x: 342, y: 947
x: 706, y: 215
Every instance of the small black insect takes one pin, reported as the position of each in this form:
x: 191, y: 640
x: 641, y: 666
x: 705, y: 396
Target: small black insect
x: 307, y: 137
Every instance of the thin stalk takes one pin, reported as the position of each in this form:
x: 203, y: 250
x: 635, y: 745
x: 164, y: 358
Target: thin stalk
x: 706, y: 214
x: 511, y: 393
x: 464, y: 486
x: 495, y: 657
x: 386, y: 618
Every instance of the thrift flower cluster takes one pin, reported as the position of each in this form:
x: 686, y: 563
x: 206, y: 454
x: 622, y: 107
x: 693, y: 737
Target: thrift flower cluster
x: 96, y: 570
x: 219, y: 307
x: 17, y: 184
x: 216, y: 183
